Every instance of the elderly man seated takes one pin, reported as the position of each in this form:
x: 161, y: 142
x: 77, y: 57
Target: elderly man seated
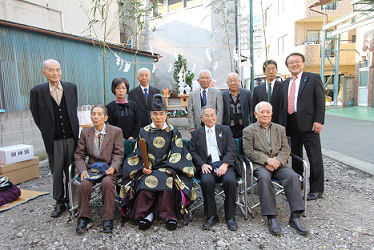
x: 104, y: 145
x: 266, y: 145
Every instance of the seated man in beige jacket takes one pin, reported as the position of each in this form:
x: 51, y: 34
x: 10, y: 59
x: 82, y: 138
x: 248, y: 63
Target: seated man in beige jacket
x: 266, y: 145
x: 103, y: 144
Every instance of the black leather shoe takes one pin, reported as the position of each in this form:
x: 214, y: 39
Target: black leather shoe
x: 144, y: 224
x: 82, y: 225
x: 58, y: 210
x: 108, y: 226
x: 171, y: 224
x: 274, y: 227
x: 210, y: 222
x: 296, y: 223
x: 231, y: 224
x: 314, y: 196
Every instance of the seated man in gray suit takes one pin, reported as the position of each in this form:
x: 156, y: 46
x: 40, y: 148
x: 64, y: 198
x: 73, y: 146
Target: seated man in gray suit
x: 202, y: 97
x: 266, y: 145
x: 103, y: 144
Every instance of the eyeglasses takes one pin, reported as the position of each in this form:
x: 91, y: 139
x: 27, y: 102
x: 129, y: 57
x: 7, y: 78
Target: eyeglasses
x: 209, y: 116
x: 155, y: 113
x: 294, y: 62
x: 121, y: 88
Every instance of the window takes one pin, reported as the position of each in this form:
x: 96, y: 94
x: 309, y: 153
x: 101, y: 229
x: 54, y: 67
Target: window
x: 166, y: 6
x: 160, y: 9
x: 332, y: 6
x: 281, y: 46
x: 312, y: 36
x: 174, y: 5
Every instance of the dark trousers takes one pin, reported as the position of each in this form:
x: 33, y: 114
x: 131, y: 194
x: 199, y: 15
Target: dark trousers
x: 312, y: 144
x: 237, y: 133
x: 108, y: 191
x: 59, y: 161
x: 148, y: 201
x: 288, y: 179
x: 229, y: 184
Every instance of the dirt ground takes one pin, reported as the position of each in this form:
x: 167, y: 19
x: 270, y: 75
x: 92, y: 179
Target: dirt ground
x: 343, y: 219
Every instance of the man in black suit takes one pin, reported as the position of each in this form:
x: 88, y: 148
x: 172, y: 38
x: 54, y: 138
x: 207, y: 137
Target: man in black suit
x: 143, y: 94
x: 213, y: 154
x: 270, y: 90
x: 303, y: 113
x: 237, y: 106
x: 54, y: 109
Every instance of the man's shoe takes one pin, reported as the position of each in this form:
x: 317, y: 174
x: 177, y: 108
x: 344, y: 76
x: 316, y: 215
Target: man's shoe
x: 210, y: 222
x: 314, y: 196
x: 108, y: 226
x: 58, y: 210
x: 231, y: 224
x: 274, y: 227
x: 144, y: 224
x: 82, y: 225
x: 296, y: 223
x: 171, y: 224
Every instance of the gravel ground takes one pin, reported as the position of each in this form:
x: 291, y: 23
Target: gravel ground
x: 343, y: 219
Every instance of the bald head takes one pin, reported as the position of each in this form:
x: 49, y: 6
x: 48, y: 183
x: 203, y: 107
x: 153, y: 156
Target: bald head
x: 49, y: 62
x: 233, y: 83
x: 52, y: 71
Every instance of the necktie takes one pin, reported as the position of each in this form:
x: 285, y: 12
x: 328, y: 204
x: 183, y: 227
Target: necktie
x: 269, y: 91
x: 99, y: 141
x: 291, y: 96
x: 146, y: 93
x: 204, y: 97
x: 212, y: 148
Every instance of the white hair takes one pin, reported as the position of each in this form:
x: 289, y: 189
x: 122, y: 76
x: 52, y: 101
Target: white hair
x: 46, y: 62
x: 146, y: 69
x: 262, y: 103
x: 205, y: 71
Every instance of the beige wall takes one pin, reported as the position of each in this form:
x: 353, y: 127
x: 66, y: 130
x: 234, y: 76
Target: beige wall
x: 58, y: 15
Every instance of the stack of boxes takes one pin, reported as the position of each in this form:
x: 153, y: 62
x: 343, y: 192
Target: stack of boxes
x: 18, y: 163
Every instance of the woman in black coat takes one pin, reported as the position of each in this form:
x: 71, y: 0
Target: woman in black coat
x: 123, y: 113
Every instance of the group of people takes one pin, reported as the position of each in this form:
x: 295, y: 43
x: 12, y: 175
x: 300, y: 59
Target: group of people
x: 157, y: 178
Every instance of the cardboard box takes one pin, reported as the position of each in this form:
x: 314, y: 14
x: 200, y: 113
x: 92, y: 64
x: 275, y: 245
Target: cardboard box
x: 16, y: 153
x: 21, y: 171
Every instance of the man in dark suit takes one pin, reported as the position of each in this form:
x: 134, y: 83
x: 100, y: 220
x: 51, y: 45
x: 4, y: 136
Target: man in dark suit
x: 266, y: 145
x: 270, y: 90
x: 303, y: 113
x: 213, y: 154
x: 143, y: 94
x: 102, y: 143
x: 54, y: 109
x: 237, y: 106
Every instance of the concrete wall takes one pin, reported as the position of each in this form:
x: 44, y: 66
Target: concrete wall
x: 19, y: 128
x: 63, y: 16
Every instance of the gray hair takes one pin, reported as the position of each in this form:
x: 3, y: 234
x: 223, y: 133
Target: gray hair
x: 100, y: 106
x: 207, y: 107
x: 205, y: 71
x: 48, y: 61
x: 262, y: 103
x: 146, y: 69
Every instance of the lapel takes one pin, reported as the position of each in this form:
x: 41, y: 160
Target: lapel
x: 67, y: 93
x: 275, y: 91
x: 264, y: 94
x: 261, y: 137
x: 141, y: 95
x: 219, y: 138
x: 226, y: 99
x: 303, y: 82
x: 243, y: 102
x: 48, y: 100
x: 90, y: 140
x: 107, y: 137
x: 210, y: 97
x: 198, y: 102
x: 274, y: 137
x: 203, y: 140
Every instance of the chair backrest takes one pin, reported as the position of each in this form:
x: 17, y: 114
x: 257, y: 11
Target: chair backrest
x: 128, y: 147
x: 239, y: 146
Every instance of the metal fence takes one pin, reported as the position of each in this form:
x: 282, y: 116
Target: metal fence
x: 22, y: 53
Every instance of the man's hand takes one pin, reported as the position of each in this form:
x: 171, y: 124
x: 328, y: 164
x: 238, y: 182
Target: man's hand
x: 222, y: 169
x: 191, y: 130
x: 206, y: 168
x: 274, y: 163
x: 317, y: 127
x: 84, y: 175
x: 131, y: 138
x: 168, y: 172
x: 110, y: 171
x: 147, y: 171
x: 270, y: 168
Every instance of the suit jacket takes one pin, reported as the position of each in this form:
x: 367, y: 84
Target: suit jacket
x: 245, y: 104
x: 260, y: 94
x: 42, y: 111
x: 225, y: 141
x: 310, y: 102
x: 194, y: 106
x: 256, y: 147
x: 111, y: 151
x: 137, y: 95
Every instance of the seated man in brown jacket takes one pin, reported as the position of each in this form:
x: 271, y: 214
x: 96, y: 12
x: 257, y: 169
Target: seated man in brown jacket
x: 103, y: 144
x: 266, y: 145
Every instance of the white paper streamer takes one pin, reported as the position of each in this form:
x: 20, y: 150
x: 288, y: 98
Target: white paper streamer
x: 193, y: 67
x: 170, y: 67
x: 151, y: 48
x: 153, y: 68
x: 215, y: 65
x: 208, y: 55
x: 235, y: 55
x: 127, y: 67
x: 175, y: 54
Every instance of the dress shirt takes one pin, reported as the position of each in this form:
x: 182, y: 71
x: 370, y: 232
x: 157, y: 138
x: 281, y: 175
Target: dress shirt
x: 297, y: 82
x: 201, y: 94
x: 56, y: 92
x: 103, y: 133
x: 212, y: 147
x: 144, y: 88
x: 272, y: 86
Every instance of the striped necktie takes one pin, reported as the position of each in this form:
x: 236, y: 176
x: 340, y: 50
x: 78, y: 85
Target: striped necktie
x: 291, y: 96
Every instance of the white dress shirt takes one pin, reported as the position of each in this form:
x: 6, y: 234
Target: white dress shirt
x: 272, y: 86
x: 298, y: 80
x: 211, y: 141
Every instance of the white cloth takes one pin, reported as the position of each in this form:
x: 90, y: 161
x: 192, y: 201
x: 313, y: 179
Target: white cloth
x: 212, y: 147
x: 298, y: 79
x: 163, y: 126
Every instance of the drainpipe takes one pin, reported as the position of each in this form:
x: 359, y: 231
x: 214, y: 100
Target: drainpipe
x: 46, y: 7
